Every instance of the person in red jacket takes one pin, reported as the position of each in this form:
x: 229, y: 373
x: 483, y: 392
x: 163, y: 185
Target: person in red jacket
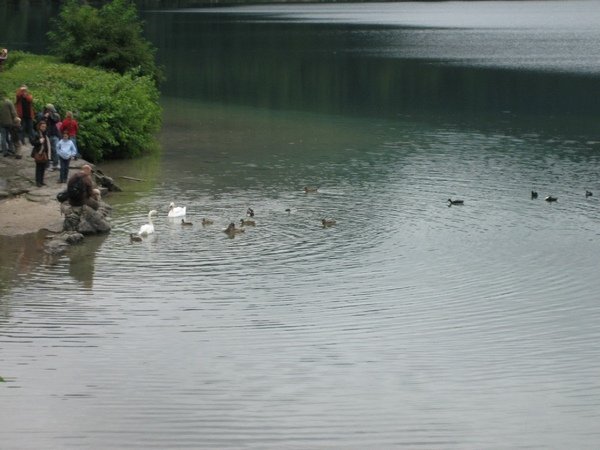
x: 26, y: 113
x: 71, y: 126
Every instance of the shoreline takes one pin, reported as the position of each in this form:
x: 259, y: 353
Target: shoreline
x: 24, y: 207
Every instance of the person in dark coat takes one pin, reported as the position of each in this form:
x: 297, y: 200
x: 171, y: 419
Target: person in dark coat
x: 41, y: 153
x: 81, y: 189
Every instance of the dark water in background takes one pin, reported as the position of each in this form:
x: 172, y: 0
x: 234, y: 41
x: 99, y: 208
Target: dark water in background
x: 409, y: 323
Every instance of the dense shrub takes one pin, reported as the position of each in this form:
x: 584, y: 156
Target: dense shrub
x: 110, y: 37
x: 118, y: 114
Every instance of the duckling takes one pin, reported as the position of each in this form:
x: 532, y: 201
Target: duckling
x: 551, y: 199
x: 308, y: 189
x: 247, y: 222
x: 206, y: 221
x: 455, y: 202
x: 534, y: 194
x: 328, y: 222
x: 231, y: 230
x: 588, y: 193
x: 185, y: 222
x: 134, y: 237
x: 250, y: 212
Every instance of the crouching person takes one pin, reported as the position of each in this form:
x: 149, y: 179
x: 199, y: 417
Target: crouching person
x: 87, y: 214
x: 81, y: 189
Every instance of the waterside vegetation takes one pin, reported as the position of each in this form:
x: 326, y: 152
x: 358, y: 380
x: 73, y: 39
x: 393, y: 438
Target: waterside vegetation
x: 103, y: 71
x: 109, y: 37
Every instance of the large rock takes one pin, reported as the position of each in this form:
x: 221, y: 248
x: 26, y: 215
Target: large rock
x: 87, y: 220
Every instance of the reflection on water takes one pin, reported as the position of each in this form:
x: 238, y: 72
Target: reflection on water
x: 407, y: 324
x: 389, y: 60
x: 28, y: 260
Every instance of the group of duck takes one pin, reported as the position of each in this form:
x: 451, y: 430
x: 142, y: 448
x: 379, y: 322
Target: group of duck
x: 551, y: 198
x: 231, y: 230
x: 534, y: 195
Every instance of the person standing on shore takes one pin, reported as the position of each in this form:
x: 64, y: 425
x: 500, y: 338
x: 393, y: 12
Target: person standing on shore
x: 66, y: 151
x: 3, y: 57
x: 14, y: 136
x: 8, y: 118
x: 52, y: 118
x: 41, y: 153
x: 26, y: 113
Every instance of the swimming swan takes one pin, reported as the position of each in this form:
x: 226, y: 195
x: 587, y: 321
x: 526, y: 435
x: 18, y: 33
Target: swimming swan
x: 148, y: 228
x: 176, y: 211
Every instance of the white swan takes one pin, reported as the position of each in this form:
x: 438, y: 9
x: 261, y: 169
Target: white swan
x: 147, y: 228
x: 176, y: 211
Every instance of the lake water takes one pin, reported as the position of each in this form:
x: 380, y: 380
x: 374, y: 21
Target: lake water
x: 408, y: 324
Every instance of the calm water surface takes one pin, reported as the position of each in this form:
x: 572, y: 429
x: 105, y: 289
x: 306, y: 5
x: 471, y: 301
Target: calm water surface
x: 409, y: 324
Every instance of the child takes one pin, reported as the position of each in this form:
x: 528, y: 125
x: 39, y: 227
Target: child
x: 71, y: 126
x: 66, y: 151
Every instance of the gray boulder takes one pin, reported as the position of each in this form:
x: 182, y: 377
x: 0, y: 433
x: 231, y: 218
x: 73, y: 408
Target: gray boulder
x: 87, y: 220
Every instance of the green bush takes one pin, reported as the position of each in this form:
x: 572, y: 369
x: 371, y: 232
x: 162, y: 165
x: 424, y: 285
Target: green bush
x: 118, y: 115
x: 110, y: 37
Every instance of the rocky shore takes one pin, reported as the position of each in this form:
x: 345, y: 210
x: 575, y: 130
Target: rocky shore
x: 26, y: 208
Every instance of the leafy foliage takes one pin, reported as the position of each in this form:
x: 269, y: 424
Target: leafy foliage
x: 110, y: 38
x: 118, y: 115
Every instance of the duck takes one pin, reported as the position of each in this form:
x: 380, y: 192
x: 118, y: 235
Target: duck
x: 588, y: 193
x: 148, y: 228
x: 135, y: 237
x: 247, y: 222
x: 288, y: 210
x: 206, y: 221
x: 176, y: 211
x: 455, y: 202
x: 551, y: 199
x: 250, y: 212
x: 231, y: 230
x: 328, y: 222
x: 308, y: 189
x: 185, y: 222
x: 534, y: 194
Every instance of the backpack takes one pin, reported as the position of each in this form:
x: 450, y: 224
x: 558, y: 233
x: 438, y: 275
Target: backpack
x: 62, y: 196
x: 76, y: 189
